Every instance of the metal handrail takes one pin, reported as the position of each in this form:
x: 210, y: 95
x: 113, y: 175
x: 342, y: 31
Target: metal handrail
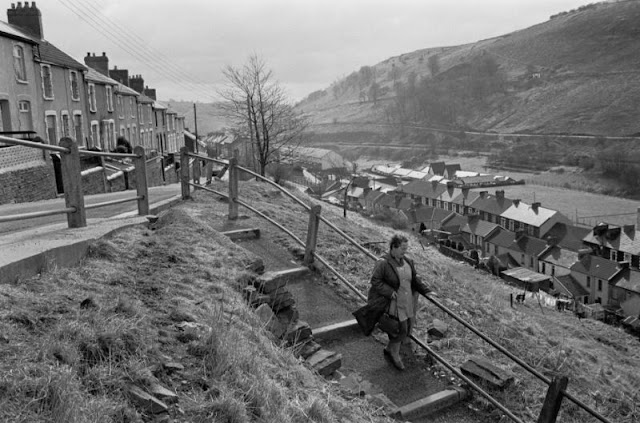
x: 38, y: 145
x: 33, y: 215
x: 211, y: 159
x: 107, y: 154
x: 112, y: 202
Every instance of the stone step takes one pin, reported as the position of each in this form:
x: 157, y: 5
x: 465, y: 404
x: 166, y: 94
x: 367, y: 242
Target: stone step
x: 325, y: 362
x: 272, y: 281
x: 430, y: 404
x: 486, y: 373
x: 243, y: 233
x: 335, y: 330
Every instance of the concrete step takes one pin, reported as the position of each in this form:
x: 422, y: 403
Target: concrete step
x: 430, y: 404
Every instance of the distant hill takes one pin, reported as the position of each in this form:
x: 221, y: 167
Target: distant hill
x: 577, y: 73
x: 209, y: 118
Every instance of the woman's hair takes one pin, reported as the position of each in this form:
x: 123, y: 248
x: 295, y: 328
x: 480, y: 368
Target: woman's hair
x: 397, y: 240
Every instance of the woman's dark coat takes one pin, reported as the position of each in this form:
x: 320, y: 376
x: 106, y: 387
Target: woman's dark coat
x: 384, y: 282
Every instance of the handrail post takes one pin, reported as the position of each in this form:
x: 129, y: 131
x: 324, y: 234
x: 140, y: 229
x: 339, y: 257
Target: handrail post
x: 233, y: 188
x: 142, y: 187
x: 553, y: 400
x: 72, y: 184
x: 312, y: 234
x: 197, y: 163
x: 184, y: 173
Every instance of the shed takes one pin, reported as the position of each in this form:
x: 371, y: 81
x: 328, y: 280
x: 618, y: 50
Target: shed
x: 529, y: 280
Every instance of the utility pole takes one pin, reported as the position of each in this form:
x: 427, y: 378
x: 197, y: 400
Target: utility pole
x: 195, y: 126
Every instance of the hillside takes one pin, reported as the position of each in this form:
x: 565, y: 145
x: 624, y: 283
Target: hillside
x: 165, y: 306
x: 577, y: 73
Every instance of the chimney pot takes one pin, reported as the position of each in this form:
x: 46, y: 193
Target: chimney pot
x: 535, y: 206
x: 13, y: 5
x: 104, y: 54
x: 19, y: 5
x: 516, y: 202
x: 88, y: 54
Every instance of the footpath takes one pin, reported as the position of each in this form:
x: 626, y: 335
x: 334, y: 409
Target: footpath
x: 333, y: 344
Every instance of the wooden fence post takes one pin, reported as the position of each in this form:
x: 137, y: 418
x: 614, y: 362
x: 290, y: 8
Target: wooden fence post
x: 72, y: 183
x: 184, y: 173
x: 233, y: 188
x: 312, y: 234
x: 197, y: 163
x: 553, y: 400
x: 142, y: 186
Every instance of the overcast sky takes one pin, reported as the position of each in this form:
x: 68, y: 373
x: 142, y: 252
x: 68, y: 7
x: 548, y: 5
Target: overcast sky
x: 180, y: 47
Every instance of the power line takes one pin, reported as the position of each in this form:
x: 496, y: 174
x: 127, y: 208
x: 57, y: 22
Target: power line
x: 141, y: 55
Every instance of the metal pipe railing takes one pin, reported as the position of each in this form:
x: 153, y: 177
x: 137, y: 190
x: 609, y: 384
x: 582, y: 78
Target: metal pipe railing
x: 107, y: 154
x: 32, y: 144
x: 112, y: 202
x: 33, y: 215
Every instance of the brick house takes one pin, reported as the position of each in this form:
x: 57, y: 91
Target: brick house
x: 616, y: 243
x: 477, y: 231
x: 564, y: 244
x: 19, y: 101
x: 624, y: 292
x: 533, y: 219
x: 422, y: 192
x: 521, y: 248
x: 60, y: 81
x: 102, y: 114
x: 595, y: 274
x: 462, y: 201
x: 490, y: 207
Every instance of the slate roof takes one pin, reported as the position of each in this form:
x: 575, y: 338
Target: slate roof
x: 437, y: 168
x: 453, y: 222
x: 123, y: 89
x: 144, y: 99
x: 371, y: 196
x: 595, y: 266
x: 568, y: 236
x: 424, y: 189
x: 451, y: 169
x: 568, y: 285
x: 525, y: 213
x: 449, y: 194
x: 629, y: 280
x: 47, y: 52
x: 465, y: 197
x: 479, y: 227
x: 404, y: 204
x: 627, y: 241
x: 475, y: 180
x: 526, y: 275
x: 11, y: 31
x: 491, y: 204
x: 524, y: 244
x: 95, y: 76
x: 386, y: 200
x: 560, y: 257
x: 427, y: 214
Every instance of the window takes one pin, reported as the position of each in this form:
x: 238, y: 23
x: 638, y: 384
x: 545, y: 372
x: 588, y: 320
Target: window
x: 75, y: 85
x: 140, y: 114
x: 47, y: 82
x: 77, y: 123
x: 92, y: 98
x: 120, y: 106
x: 600, y: 285
x: 544, y: 267
x: 588, y: 281
x: 109, y: 89
x: 95, y: 134
x: 613, y: 255
x: 553, y: 270
x: 512, y: 225
x: 503, y: 222
x: 132, y: 109
x: 149, y: 112
x: 51, y: 123
x: 24, y: 106
x: 531, y: 262
x: 522, y: 259
x: 19, y: 64
x: 66, y: 124
x: 627, y: 257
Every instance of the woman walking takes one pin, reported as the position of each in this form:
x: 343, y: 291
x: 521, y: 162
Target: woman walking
x: 394, y: 289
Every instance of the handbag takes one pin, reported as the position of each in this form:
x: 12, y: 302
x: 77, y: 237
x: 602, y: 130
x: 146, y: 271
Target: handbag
x: 389, y: 322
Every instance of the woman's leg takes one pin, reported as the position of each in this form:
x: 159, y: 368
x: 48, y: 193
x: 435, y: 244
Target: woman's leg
x: 393, y: 348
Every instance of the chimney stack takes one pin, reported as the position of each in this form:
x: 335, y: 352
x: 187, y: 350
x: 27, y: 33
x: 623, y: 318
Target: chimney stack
x: 137, y: 83
x: 516, y: 202
x: 500, y: 193
x: 535, y: 206
x: 27, y: 18
x: 150, y: 92
x: 99, y: 63
x: 120, y: 75
x: 483, y: 194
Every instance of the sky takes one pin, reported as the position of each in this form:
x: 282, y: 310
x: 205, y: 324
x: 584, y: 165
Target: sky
x: 181, y: 47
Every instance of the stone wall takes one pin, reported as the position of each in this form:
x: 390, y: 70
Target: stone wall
x: 33, y: 183
x: 93, y: 181
x: 25, y: 175
x: 117, y: 184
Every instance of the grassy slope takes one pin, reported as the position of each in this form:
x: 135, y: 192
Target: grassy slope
x: 589, y: 70
x: 64, y: 363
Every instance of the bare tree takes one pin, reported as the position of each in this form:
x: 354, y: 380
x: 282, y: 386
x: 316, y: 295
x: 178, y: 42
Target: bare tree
x: 254, y: 100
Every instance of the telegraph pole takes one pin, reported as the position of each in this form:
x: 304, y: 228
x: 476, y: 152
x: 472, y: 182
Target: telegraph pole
x: 195, y: 126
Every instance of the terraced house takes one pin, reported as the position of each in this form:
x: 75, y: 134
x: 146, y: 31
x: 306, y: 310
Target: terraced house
x: 60, y: 80
x: 19, y: 103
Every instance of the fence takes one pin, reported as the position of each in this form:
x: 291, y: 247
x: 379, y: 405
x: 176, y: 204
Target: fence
x: 75, y: 208
x: 557, y: 387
